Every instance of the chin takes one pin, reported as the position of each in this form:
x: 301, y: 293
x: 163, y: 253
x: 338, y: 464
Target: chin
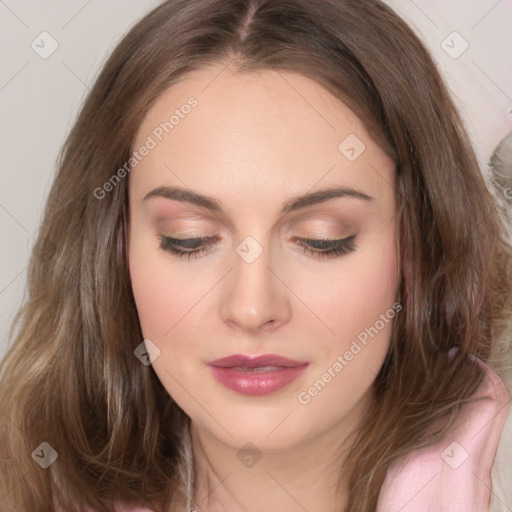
x: 268, y: 428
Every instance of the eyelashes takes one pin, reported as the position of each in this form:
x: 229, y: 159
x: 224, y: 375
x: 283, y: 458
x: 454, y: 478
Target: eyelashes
x: 318, y: 248
x: 328, y: 248
x: 190, y: 247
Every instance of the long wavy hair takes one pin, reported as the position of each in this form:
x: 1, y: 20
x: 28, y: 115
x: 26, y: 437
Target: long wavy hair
x: 70, y: 377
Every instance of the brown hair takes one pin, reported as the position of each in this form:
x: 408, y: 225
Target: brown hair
x: 71, y: 378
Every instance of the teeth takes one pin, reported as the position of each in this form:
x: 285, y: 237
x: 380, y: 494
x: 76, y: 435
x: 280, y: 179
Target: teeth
x: 260, y: 369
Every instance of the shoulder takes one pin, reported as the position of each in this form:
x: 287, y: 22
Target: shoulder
x: 465, y: 470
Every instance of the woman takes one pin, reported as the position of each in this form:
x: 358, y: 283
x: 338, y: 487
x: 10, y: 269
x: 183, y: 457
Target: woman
x: 269, y: 276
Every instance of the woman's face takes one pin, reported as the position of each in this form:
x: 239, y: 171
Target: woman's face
x: 244, y: 162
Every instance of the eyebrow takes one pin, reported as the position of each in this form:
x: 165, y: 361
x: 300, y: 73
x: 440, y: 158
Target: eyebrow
x: 293, y: 204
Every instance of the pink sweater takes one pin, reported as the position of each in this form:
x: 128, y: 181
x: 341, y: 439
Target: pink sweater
x: 453, y: 475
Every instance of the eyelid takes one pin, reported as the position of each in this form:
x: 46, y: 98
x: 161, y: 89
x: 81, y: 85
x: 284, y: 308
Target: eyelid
x: 190, y: 239
x: 334, y: 248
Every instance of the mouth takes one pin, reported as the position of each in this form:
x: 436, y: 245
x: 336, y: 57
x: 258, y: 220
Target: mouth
x: 255, y: 376
x: 260, y: 369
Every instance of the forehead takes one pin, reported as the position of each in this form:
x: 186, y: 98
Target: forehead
x: 262, y: 130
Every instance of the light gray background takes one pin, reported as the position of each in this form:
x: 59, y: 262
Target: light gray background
x: 39, y: 98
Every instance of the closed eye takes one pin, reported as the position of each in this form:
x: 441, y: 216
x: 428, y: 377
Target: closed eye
x: 328, y: 248
x: 319, y: 248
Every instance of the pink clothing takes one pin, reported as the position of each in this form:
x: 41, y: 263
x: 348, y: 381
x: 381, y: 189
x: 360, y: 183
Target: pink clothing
x: 453, y: 475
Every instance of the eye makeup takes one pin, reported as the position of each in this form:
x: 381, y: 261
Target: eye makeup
x: 198, y: 246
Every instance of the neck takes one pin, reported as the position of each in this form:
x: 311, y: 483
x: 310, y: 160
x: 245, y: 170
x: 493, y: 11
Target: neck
x: 298, y: 478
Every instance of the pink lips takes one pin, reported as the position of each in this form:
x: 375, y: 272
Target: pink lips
x: 256, y: 375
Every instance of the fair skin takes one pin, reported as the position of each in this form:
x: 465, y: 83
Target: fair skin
x: 253, y: 142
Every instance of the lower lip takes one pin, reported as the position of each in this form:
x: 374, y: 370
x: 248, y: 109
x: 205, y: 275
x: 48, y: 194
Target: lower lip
x: 257, y: 384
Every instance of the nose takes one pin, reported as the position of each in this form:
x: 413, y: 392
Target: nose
x: 254, y: 296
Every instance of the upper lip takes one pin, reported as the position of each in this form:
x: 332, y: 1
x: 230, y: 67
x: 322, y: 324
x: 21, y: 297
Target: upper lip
x: 239, y: 360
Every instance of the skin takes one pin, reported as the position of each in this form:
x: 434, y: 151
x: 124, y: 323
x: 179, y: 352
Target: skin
x: 253, y: 142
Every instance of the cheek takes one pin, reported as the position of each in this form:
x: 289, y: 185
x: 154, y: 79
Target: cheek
x: 166, y: 293
x: 156, y: 300
x: 365, y: 289
x: 375, y: 284
x: 349, y: 361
